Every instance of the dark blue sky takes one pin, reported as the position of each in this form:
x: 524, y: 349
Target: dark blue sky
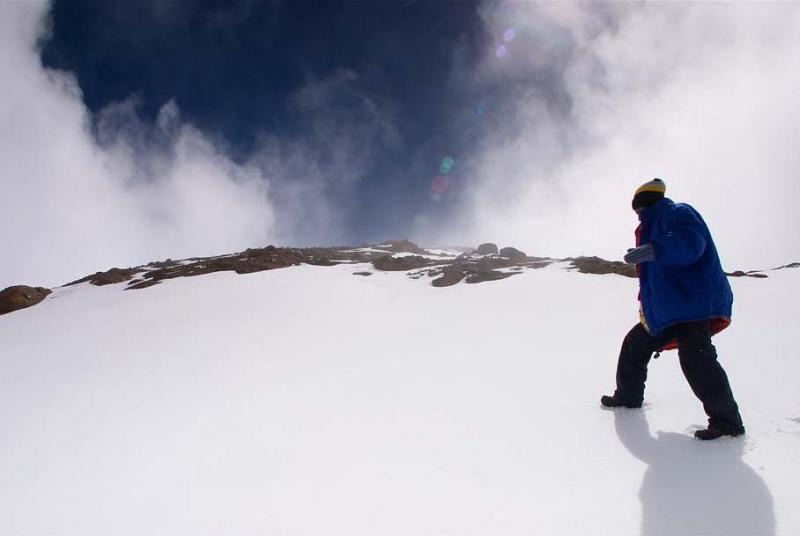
x: 237, y: 71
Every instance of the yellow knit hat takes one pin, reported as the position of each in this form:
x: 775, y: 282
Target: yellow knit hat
x: 655, y: 185
x: 648, y: 194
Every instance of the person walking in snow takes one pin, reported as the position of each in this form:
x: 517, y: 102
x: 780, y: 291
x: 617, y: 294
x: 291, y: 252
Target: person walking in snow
x: 684, y: 299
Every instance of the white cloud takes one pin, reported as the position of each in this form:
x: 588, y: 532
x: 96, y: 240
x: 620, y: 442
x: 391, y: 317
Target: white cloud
x: 83, y: 193
x: 704, y: 95
x: 71, y: 207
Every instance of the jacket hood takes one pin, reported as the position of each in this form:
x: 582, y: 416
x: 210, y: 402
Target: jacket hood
x: 647, y: 214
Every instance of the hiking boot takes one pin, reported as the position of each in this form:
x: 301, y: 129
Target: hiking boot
x: 611, y: 401
x: 714, y: 433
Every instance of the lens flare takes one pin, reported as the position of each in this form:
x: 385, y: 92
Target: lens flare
x: 439, y: 186
x: 447, y: 165
x: 501, y: 51
x: 508, y: 35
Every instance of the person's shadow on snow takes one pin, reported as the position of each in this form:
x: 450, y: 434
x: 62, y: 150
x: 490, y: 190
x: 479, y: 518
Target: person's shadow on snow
x: 695, y: 487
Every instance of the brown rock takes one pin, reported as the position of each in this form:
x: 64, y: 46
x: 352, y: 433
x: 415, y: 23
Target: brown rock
x: 450, y: 276
x: 400, y: 246
x: 139, y: 284
x: 21, y: 296
x: 596, y: 265
x: 110, y: 277
x: 513, y: 253
x: 487, y: 275
x: 164, y: 264
x: 739, y: 273
x: 487, y: 249
x: 492, y: 263
x: 402, y: 264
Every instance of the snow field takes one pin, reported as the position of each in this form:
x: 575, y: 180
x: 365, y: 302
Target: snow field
x: 308, y: 401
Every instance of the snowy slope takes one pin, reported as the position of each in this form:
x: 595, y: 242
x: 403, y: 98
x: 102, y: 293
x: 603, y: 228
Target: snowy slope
x: 307, y: 401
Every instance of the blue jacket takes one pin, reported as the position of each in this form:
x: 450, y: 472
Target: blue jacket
x: 685, y: 282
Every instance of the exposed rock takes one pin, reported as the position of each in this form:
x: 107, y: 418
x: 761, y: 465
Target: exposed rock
x: 487, y: 249
x: 252, y: 262
x: 246, y: 262
x: 487, y: 275
x: 739, y: 273
x: 321, y: 261
x: 164, y: 264
x: 539, y: 263
x: 363, y: 256
x: 138, y: 284
x: 462, y: 251
x: 402, y: 264
x: 21, y: 296
x: 492, y: 263
x: 477, y: 267
x: 450, y: 276
x: 596, y: 265
x: 109, y: 277
x: 401, y: 246
x: 513, y: 253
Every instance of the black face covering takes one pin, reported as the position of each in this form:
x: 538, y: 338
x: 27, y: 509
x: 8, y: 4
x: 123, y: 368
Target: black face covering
x: 646, y: 199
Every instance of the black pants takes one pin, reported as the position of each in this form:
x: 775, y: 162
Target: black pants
x: 699, y: 364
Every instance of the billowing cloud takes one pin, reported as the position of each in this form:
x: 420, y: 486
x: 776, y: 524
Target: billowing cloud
x: 84, y: 192
x: 606, y: 96
x: 72, y: 206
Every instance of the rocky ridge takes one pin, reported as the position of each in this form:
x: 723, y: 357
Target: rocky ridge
x: 21, y: 296
x: 444, y: 267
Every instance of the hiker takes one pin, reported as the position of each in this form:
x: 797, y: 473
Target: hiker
x: 684, y: 299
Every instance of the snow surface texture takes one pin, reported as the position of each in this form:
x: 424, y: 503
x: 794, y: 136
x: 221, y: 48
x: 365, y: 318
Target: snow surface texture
x: 307, y: 401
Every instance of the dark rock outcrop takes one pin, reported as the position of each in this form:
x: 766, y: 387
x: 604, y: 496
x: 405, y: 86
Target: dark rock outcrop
x: 487, y: 249
x: 490, y: 263
x: 401, y: 246
x: 474, y: 266
x: 109, y: 277
x: 138, y: 284
x: 596, y: 265
x: 739, y: 273
x: 164, y: 264
x: 247, y: 262
x: 21, y: 296
x: 488, y: 275
x: 513, y: 253
x: 449, y: 276
x: 479, y: 269
x: 402, y: 264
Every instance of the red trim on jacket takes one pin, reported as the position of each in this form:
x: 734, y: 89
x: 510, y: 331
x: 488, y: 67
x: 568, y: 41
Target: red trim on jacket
x: 715, y: 326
